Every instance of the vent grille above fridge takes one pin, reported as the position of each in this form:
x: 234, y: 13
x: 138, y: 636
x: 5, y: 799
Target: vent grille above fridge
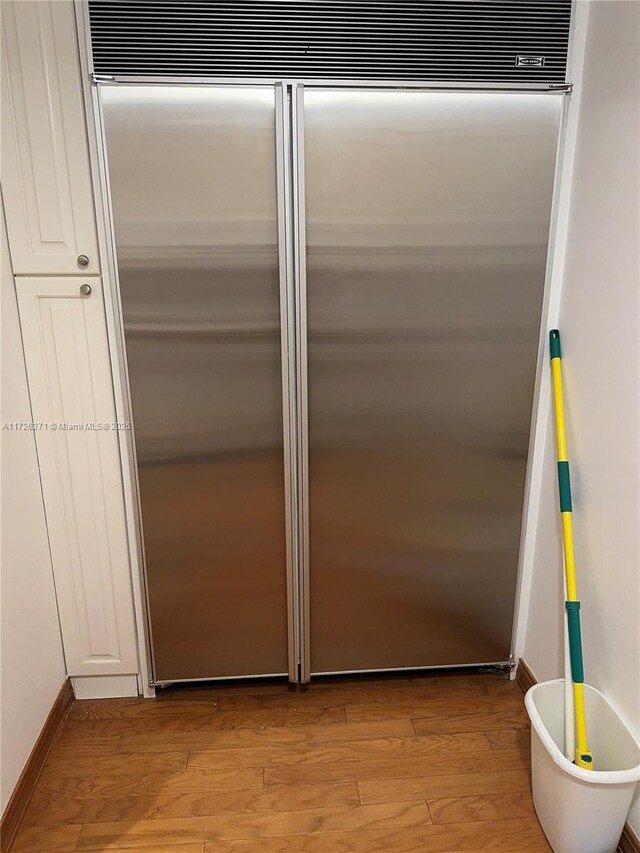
x: 504, y: 41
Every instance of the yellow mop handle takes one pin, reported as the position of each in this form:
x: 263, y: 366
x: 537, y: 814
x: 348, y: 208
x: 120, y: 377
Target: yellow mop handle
x: 583, y: 757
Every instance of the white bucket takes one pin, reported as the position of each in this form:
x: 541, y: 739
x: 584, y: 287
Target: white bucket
x: 581, y: 811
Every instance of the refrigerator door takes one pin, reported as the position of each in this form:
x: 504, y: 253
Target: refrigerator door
x: 193, y: 186
x: 427, y: 220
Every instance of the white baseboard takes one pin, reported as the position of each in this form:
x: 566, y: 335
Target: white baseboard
x: 104, y: 686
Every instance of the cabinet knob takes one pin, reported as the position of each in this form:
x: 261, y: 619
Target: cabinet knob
x: 83, y: 261
x: 85, y: 289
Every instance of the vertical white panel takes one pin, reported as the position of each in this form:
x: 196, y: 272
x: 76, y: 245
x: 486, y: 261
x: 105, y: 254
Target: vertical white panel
x: 69, y: 373
x: 537, y: 507
x: 45, y: 162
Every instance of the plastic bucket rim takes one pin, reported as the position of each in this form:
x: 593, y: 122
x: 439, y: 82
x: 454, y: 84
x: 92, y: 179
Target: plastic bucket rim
x: 594, y: 777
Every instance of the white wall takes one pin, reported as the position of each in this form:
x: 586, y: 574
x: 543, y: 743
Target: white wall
x: 32, y: 665
x: 600, y: 326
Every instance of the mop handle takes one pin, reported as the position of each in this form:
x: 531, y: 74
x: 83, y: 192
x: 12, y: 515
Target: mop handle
x: 583, y: 757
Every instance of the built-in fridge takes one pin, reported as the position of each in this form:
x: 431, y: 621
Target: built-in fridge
x: 331, y: 301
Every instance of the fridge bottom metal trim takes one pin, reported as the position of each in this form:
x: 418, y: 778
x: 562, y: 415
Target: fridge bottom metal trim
x: 224, y: 678
x: 504, y: 663
x: 218, y: 678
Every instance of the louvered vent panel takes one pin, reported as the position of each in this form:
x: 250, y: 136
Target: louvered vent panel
x: 458, y: 40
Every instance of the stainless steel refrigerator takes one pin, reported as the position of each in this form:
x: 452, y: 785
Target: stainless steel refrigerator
x: 331, y: 300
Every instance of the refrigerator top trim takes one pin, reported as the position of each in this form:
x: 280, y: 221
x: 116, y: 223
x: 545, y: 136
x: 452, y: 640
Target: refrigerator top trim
x: 427, y: 85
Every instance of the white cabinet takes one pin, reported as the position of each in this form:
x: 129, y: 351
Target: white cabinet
x: 69, y: 372
x: 51, y: 222
x: 45, y: 162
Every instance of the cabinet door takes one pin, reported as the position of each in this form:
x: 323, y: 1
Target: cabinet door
x: 45, y: 162
x: 67, y: 357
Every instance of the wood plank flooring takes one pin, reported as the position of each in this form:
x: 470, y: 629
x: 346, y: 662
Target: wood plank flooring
x: 404, y: 765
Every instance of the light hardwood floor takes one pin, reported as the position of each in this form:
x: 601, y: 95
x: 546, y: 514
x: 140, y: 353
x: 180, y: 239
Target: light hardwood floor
x: 427, y: 765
